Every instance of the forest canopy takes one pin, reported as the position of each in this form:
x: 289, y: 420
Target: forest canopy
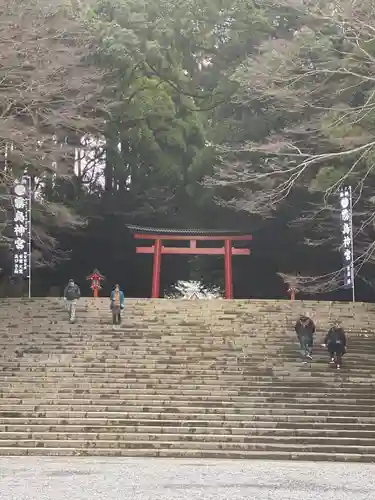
x: 189, y: 114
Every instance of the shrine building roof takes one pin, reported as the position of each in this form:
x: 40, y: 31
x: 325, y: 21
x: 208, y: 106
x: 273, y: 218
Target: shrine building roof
x: 187, y: 232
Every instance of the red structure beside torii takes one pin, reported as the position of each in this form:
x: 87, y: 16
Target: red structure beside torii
x: 193, y: 236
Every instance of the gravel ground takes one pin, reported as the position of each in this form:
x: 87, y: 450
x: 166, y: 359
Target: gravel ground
x: 166, y: 479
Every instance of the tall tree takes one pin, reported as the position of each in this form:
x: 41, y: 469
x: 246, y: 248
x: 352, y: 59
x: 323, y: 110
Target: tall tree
x: 312, y: 87
x: 49, y: 96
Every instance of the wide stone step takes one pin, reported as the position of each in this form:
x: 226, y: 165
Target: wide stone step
x: 228, y: 408
x: 40, y: 431
x: 52, y: 438
x: 320, y: 369
x: 239, y: 371
x: 126, y: 362
x: 166, y: 330
x: 87, y: 324
x: 180, y: 376
x: 21, y: 357
x: 166, y: 333
x: 199, y: 312
x: 145, y: 306
x: 271, y: 385
x: 196, y: 312
x: 24, y: 357
x: 116, y: 348
x: 182, y: 405
x: 240, y: 414
x: 180, y: 400
x: 18, y: 394
x: 90, y: 327
x: 293, y: 424
x: 187, y: 385
x: 153, y: 340
x: 117, y: 354
x: 162, y: 348
x: 190, y: 381
x: 267, y: 385
x: 202, y: 445
x: 193, y: 454
x: 163, y: 351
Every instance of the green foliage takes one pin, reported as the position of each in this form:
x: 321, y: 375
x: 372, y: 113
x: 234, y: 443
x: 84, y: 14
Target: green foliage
x: 326, y: 177
x: 301, y: 121
x: 183, y: 89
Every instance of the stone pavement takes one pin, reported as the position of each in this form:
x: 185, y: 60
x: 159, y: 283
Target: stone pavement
x: 31, y: 478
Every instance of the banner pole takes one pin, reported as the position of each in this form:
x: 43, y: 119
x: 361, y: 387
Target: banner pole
x: 29, y: 236
x: 352, y: 244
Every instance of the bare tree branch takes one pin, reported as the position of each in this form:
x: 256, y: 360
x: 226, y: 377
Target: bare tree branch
x: 321, y: 79
x: 49, y: 96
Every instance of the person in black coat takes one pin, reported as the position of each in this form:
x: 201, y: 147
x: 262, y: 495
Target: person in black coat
x: 335, y: 341
x: 305, y: 329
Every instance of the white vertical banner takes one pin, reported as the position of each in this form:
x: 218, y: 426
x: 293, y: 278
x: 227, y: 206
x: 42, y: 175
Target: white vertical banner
x: 346, y: 220
x: 22, y: 229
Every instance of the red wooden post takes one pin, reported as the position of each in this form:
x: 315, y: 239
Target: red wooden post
x: 228, y: 269
x: 156, y: 270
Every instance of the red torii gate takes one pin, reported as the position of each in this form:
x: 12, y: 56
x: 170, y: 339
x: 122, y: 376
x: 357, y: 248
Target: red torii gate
x: 193, y: 236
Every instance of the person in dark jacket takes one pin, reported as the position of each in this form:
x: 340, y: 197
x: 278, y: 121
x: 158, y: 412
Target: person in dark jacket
x: 305, y: 330
x: 71, y: 294
x: 335, y: 341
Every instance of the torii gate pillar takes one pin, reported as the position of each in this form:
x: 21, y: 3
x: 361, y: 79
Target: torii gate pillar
x: 155, y: 292
x: 228, y: 276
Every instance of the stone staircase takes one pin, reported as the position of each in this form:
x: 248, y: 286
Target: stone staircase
x: 182, y: 378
